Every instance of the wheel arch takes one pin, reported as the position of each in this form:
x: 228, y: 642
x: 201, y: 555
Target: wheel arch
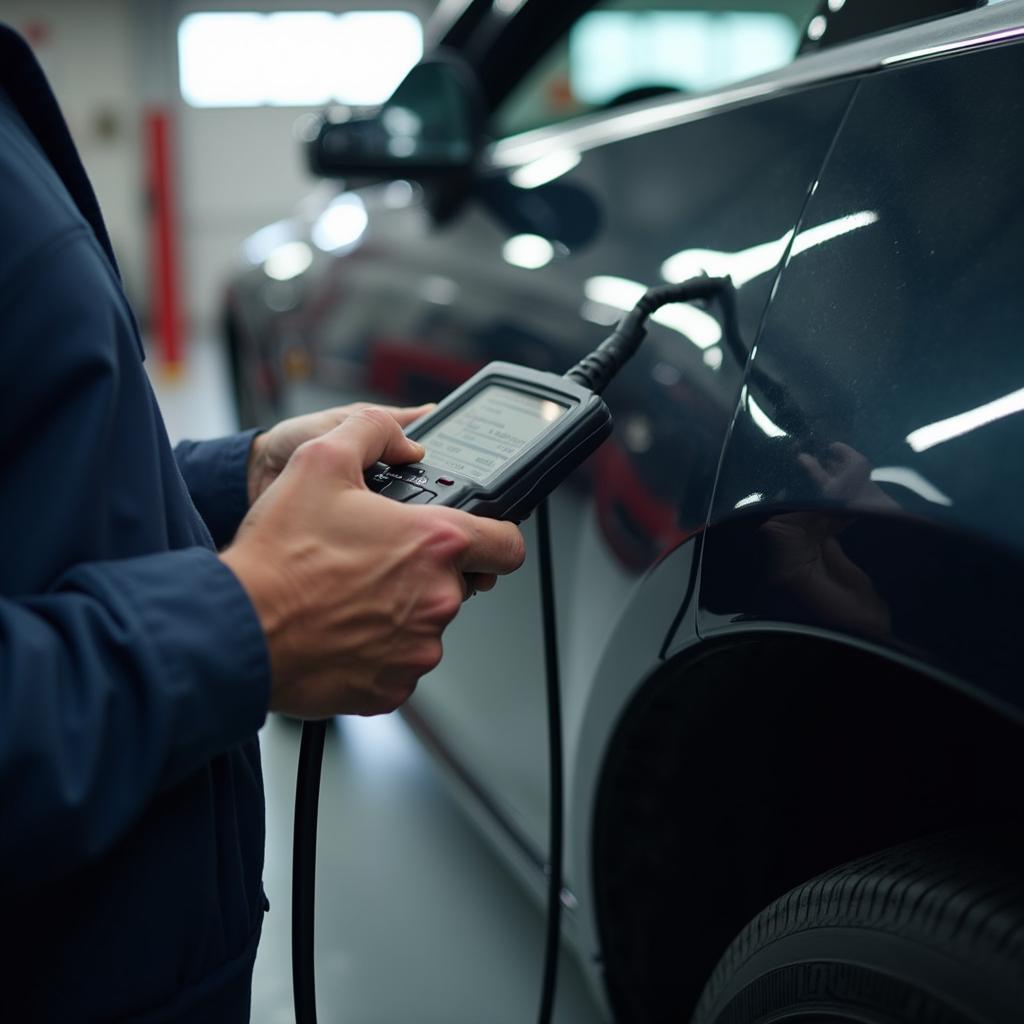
x: 755, y: 761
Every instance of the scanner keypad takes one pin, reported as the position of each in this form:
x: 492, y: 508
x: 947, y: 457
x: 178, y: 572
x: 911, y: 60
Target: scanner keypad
x: 401, y: 483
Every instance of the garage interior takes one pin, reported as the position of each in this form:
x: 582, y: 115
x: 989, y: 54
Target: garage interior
x: 193, y: 118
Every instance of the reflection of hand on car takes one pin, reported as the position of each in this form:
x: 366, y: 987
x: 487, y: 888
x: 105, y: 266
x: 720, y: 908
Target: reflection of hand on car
x: 805, y: 556
x: 354, y: 590
x: 844, y: 474
x: 807, y: 561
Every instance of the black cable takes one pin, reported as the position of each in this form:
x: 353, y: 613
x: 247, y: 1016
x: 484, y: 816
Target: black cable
x: 547, y: 597
x: 307, y: 804
x: 596, y: 369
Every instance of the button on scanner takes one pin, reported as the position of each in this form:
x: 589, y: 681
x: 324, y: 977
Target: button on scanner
x: 422, y: 498
x: 399, y: 490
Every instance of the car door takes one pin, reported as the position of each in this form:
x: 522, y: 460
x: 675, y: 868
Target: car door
x: 881, y: 402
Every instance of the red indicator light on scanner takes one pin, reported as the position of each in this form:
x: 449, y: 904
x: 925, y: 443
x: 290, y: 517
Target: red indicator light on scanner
x: 445, y: 481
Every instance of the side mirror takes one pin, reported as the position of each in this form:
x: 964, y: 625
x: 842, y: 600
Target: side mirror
x: 430, y: 127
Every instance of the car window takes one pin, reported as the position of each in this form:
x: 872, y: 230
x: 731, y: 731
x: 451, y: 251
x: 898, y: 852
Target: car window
x: 619, y: 51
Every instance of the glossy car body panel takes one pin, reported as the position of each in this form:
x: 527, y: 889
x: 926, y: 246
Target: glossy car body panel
x: 631, y: 651
x: 875, y: 456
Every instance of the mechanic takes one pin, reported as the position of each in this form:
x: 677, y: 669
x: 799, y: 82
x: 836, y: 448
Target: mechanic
x: 137, y: 664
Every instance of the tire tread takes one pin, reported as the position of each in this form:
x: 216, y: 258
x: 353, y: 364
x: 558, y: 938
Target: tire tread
x: 960, y: 893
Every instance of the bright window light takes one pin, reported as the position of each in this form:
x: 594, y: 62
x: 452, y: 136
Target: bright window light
x: 376, y: 49
x: 298, y: 58
x: 220, y: 59
x: 295, y: 58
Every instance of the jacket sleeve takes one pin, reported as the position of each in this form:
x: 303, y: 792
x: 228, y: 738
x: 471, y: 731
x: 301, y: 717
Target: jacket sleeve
x: 128, y: 657
x: 123, y: 679
x: 216, y: 474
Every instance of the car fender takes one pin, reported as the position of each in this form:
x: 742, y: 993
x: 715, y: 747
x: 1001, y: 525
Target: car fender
x: 632, y: 653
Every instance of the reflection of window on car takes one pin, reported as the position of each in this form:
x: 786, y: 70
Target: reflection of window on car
x: 621, y: 51
x: 840, y: 21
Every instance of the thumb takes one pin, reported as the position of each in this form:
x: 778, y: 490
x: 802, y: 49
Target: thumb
x: 372, y: 435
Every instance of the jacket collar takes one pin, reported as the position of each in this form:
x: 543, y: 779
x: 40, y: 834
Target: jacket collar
x: 26, y: 85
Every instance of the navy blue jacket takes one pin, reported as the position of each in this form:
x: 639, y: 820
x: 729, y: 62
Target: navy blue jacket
x: 133, y: 671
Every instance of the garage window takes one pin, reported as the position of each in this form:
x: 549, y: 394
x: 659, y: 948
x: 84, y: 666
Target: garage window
x: 295, y: 58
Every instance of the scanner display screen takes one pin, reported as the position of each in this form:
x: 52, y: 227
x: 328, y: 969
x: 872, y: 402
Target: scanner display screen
x: 481, y: 437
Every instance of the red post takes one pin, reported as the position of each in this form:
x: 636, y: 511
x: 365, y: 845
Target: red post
x: 165, y: 288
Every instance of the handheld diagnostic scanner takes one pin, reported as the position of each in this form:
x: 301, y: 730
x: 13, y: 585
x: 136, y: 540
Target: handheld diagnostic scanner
x: 500, y: 443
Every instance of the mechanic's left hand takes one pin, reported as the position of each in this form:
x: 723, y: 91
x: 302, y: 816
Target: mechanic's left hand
x: 271, y: 451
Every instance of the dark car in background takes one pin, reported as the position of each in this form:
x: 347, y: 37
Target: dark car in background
x: 790, y: 585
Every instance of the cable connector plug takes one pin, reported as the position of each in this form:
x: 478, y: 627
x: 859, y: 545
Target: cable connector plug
x: 596, y: 370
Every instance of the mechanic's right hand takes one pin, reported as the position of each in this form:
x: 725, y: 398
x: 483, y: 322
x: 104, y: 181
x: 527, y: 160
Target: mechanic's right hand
x: 353, y: 590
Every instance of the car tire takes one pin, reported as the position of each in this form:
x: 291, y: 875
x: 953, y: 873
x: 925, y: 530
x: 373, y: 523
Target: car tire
x: 930, y: 932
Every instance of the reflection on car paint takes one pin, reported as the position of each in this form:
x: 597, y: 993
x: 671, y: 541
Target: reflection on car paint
x: 341, y: 225
x: 759, y: 259
x: 546, y: 168
x: 956, y: 426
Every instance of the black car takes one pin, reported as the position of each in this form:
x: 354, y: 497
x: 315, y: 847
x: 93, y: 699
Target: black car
x: 790, y: 584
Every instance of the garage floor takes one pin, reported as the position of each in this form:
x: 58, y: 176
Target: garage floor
x: 417, y: 919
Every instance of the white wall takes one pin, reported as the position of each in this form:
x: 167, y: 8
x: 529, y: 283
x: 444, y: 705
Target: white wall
x: 239, y: 170
x: 236, y: 170
x: 89, y: 54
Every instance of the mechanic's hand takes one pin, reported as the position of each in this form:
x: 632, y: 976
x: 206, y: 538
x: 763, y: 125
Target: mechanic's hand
x: 353, y: 590
x: 271, y: 451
